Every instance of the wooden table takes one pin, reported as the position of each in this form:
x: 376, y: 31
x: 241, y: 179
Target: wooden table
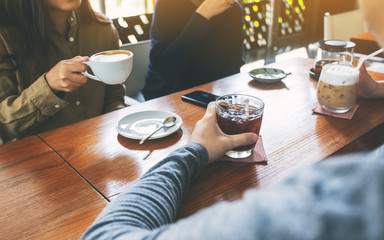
x: 41, y: 196
x: 94, y: 152
x: 293, y: 136
x: 365, y: 43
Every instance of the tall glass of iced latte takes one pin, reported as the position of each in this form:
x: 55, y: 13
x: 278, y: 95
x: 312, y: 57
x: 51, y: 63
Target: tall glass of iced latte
x: 337, y: 87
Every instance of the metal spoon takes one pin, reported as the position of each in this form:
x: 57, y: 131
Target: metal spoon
x: 167, y: 123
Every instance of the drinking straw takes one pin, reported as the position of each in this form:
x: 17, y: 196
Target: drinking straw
x: 362, y: 60
x: 247, y: 108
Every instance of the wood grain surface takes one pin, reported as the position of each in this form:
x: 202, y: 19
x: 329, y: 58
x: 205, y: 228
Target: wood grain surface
x: 41, y: 197
x: 293, y: 137
x: 365, y: 43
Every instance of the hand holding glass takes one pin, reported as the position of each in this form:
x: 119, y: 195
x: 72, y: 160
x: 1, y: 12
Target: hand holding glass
x: 239, y: 113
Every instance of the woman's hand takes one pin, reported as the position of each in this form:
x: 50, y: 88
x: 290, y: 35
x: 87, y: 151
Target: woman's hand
x: 211, y: 8
x: 217, y: 143
x: 66, y: 75
x: 367, y: 86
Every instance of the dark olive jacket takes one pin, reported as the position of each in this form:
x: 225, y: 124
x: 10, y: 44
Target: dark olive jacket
x: 27, y: 103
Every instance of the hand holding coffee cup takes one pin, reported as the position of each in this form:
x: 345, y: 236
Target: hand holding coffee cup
x: 66, y: 75
x: 110, y: 67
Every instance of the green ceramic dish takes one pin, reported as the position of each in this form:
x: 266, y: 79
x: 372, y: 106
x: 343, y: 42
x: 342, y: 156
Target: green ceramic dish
x: 268, y: 75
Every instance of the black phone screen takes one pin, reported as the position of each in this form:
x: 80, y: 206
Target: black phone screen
x: 200, y: 98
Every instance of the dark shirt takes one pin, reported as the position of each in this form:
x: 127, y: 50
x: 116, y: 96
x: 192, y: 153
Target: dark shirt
x: 188, y: 50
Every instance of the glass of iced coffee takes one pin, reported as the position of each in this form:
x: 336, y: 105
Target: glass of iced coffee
x: 337, y: 87
x: 239, y: 113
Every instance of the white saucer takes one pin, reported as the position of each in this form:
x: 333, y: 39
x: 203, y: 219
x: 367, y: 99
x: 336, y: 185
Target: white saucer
x: 139, y: 124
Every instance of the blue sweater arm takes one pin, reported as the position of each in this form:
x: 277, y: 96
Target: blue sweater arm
x: 154, y: 199
x: 335, y: 199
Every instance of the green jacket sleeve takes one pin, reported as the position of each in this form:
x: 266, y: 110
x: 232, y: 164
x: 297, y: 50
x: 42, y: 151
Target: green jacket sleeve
x: 21, y: 109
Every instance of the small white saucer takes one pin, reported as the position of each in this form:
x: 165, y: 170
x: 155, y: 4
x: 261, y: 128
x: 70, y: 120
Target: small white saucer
x: 139, y: 124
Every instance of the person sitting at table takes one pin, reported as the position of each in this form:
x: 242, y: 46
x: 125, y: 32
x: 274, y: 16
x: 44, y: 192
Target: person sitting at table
x: 369, y: 88
x: 339, y: 198
x: 41, y: 47
x: 334, y: 199
x: 193, y: 42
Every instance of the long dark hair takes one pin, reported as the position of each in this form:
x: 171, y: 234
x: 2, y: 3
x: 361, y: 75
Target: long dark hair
x: 31, y: 19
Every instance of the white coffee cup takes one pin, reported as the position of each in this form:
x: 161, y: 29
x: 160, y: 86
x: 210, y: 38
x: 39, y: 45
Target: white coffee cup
x: 110, y: 67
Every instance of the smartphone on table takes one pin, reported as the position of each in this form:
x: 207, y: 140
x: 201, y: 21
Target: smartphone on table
x: 199, y: 98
